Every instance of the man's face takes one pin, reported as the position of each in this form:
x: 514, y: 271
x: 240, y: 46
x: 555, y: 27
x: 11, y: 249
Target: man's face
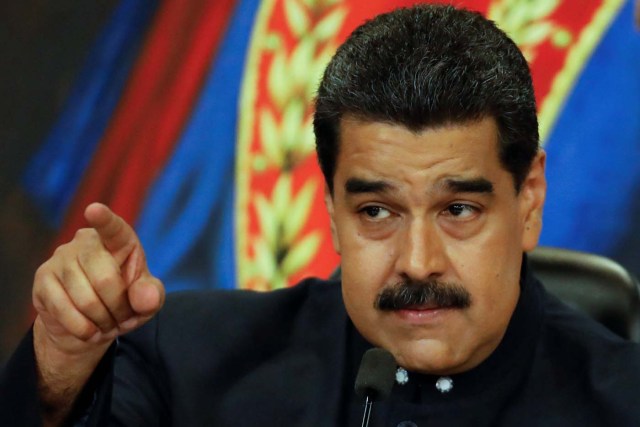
x: 435, y: 206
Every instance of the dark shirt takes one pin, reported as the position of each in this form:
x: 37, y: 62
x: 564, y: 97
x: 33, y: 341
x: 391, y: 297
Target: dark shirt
x: 290, y: 357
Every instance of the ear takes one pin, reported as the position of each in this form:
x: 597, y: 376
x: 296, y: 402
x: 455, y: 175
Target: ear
x: 532, y: 196
x: 328, y: 201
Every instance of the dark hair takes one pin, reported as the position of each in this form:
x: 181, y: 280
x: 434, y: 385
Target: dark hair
x: 428, y: 66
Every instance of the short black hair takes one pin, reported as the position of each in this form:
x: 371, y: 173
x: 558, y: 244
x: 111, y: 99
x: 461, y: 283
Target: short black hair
x: 424, y: 67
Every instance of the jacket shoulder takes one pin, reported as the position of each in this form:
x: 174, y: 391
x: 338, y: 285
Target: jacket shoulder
x: 581, y: 360
x: 243, y: 308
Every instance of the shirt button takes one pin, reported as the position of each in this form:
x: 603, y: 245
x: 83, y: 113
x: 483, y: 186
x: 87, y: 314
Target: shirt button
x: 407, y: 424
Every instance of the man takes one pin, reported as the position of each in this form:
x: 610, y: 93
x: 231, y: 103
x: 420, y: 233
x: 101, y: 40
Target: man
x: 427, y: 137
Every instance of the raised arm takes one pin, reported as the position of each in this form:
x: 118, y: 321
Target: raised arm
x: 92, y: 289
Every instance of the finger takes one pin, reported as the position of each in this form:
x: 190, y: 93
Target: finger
x: 104, y: 276
x: 52, y: 301
x: 116, y: 235
x: 146, y: 295
x: 81, y: 293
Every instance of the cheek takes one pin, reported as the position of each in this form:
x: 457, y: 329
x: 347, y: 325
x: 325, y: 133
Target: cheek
x: 490, y: 263
x: 359, y: 294
x: 496, y: 282
x: 357, y: 246
x: 366, y: 267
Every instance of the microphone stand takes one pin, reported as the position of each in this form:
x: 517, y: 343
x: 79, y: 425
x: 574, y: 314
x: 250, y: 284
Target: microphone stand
x: 367, y: 411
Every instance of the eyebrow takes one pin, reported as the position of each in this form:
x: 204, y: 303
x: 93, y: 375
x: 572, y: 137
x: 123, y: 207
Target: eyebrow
x: 359, y: 186
x: 452, y: 185
x: 475, y: 185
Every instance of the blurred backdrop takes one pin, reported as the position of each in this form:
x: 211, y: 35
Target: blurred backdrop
x: 192, y: 120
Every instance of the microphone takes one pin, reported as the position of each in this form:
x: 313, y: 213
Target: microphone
x: 375, y: 378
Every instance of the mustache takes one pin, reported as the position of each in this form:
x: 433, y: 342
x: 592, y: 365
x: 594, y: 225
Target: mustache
x: 411, y: 293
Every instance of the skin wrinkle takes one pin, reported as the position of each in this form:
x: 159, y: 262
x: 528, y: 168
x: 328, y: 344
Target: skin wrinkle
x: 424, y: 67
x: 412, y: 99
x: 421, y: 230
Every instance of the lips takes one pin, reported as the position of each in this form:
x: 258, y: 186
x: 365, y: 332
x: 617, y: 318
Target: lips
x: 422, y: 307
x: 422, y: 315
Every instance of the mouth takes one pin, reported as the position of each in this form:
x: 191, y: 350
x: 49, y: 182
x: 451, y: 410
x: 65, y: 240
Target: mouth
x: 422, y: 307
x: 423, y: 314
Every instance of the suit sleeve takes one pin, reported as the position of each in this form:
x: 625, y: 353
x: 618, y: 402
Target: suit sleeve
x: 19, y: 402
x: 19, y: 405
x: 141, y: 393
x: 128, y: 387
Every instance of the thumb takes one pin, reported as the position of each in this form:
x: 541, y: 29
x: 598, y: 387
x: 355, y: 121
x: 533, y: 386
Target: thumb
x: 146, y: 295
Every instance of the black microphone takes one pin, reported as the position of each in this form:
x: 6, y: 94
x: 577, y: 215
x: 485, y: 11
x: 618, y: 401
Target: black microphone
x: 375, y: 378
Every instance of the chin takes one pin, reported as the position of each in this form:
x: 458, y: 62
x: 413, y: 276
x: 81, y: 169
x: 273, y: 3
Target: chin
x: 427, y: 357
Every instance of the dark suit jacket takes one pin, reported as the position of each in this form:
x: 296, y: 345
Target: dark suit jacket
x: 288, y: 358
x: 213, y: 359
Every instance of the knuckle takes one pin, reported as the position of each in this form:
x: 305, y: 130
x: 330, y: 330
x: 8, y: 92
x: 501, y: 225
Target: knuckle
x: 86, y: 258
x: 85, y: 330
x: 41, y: 274
x: 106, y: 324
x: 54, y: 307
x: 60, y: 251
x: 123, y: 312
x: 104, y: 281
x: 57, y: 311
x: 67, y: 274
x: 38, y: 299
x: 82, y: 233
x: 94, y: 259
x: 89, y: 306
x: 39, y: 291
x: 86, y: 236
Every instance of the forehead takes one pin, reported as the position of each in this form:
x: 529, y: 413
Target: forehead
x: 377, y: 150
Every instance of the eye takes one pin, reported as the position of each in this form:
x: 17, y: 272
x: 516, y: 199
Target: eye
x: 375, y: 212
x: 461, y: 211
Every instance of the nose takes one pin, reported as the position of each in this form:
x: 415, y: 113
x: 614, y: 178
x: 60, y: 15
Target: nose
x: 422, y: 253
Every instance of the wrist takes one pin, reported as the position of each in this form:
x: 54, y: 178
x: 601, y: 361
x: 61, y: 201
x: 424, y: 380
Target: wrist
x: 64, y: 366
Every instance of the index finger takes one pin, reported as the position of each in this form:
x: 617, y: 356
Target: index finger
x: 116, y: 235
